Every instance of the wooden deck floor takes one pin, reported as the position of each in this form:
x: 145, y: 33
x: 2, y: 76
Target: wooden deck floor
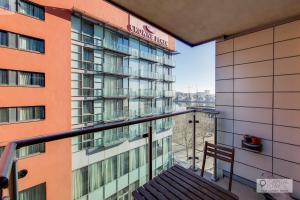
x: 178, y: 183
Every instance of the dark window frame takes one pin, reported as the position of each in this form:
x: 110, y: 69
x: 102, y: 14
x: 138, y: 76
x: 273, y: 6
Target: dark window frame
x: 17, y: 46
x: 43, y: 75
x: 42, y: 115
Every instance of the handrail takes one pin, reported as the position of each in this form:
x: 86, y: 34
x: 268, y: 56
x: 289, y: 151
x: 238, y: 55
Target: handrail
x: 6, y: 162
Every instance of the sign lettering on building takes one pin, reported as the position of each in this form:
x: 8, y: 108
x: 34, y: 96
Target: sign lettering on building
x: 144, y: 30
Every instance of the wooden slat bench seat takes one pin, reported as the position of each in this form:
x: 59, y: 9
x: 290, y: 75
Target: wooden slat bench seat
x: 178, y: 183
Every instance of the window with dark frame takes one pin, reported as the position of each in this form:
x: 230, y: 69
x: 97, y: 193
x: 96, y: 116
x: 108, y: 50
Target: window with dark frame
x: 21, y: 78
x: 21, y: 114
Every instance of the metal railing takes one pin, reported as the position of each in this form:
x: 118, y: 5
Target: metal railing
x: 8, y: 162
x: 113, y: 69
x: 87, y: 39
x: 115, y: 92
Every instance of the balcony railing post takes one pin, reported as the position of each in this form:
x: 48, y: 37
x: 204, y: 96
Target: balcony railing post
x: 150, y: 151
x: 13, y: 183
x: 215, y: 177
x: 194, y: 141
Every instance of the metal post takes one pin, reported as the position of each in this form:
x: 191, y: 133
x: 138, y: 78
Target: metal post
x: 13, y: 182
x: 150, y: 151
x: 215, y: 177
x: 194, y: 142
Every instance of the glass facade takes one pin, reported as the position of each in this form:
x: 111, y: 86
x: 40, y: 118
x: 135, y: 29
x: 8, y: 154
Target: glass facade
x: 116, y: 77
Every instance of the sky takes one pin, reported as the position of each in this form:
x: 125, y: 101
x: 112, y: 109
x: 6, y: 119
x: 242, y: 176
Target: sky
x: 195, y: 67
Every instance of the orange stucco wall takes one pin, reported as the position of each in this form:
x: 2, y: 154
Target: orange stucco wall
x: 53, y: 167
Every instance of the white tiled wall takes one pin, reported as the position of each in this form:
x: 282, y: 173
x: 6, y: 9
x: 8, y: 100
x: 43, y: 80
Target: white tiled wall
x: 258, y: 93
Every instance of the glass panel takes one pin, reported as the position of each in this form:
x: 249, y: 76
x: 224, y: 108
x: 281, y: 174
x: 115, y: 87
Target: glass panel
x: 3, y: 77
x: 96, y: 179
x: 80, y: 182
x: 182, y: 140
x: 24, y: 78
x: 30, y: 113
x: 3, y: 38
x: 30, y: 44
x: 205, y: 131
x: 4, y: 115
x: 31, y: 150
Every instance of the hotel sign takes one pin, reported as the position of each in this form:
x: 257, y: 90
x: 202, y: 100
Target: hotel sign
x: 144, y: 30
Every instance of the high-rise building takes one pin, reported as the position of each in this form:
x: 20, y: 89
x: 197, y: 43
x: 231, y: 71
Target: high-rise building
x: 74, y: 64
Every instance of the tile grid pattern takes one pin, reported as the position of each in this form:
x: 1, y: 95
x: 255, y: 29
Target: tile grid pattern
x: 258, y: 93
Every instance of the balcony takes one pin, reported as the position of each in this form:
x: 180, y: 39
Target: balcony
x: 118, y: 93
x: 167, y: 151
x: 169, y: 62
x: 115, y: 70
x: 134, y: 93
x: 169, y: 93
x: 86, y: 92
x: 86, y: 66
x: 148, y: 57
x: 168, y: 109
x: 169, y: 78
x: 158, y: 110
x: 159, y: 93
x: 87, y: 39
x: 133, y: 114
x: 134, y: 72
x: 148, y: 75
x: 146, y: 111
x: 115, y: 116
x: 115, y: 47
x: 147, y: 93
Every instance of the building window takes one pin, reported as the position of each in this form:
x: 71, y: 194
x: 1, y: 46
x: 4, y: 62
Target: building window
x: 30, y: 44
x: 29, y: 9
x: 28, y: 151
x: 3, y: 77
x: 31, y: 150
x: 80, y: 182
x: 13, y: 78
x: 4, y: 115
x: 27, y: 78
x: 13, y: 40
x: 3, y: 38
x: 22, y: 114
x: 37, y: 192
x: 30, y: 113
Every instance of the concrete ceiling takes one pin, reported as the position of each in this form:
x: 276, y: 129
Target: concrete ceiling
x: 198, y: 21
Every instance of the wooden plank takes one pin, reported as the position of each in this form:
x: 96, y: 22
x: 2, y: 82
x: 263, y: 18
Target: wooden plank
x: 183, y: 188
x: 146, y: 194
x: 163, y: 190
x: 154, y: 192
x: 171, y: 189
x: 220, y: 147
x: 188, y: 186
x: 219, y: 188
x: 196, y: 185
x: 220, y: 152
x: 203, y: 185
x: 219, y: 157
x: 137, y: 196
